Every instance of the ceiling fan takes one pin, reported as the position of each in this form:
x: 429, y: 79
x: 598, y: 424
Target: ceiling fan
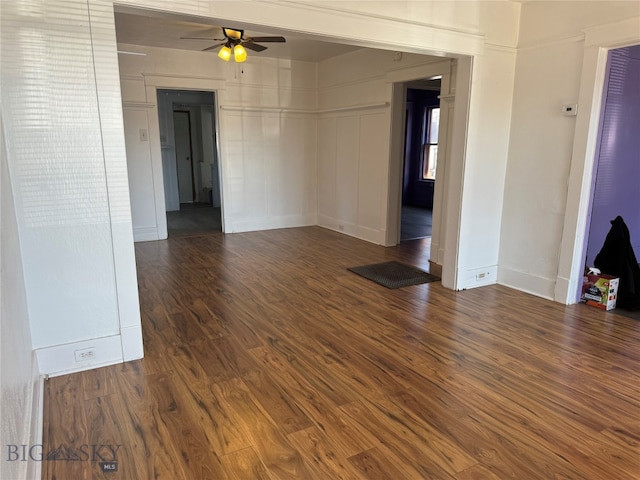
x: 235, y: 41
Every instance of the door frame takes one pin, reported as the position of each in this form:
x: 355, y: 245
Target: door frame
x: 454, y: 107
x: 598, y: 42
x: 153, y: 83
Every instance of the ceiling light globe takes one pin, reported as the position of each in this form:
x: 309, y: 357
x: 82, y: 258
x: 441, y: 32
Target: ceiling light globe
x: 225, y: 53
x: 239, y: 53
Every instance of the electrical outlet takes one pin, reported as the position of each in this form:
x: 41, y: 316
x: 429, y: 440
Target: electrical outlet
x: 482, y: 275
x: 85, y: 355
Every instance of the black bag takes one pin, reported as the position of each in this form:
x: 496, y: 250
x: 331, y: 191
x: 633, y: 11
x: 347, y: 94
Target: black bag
x: 618, y: 259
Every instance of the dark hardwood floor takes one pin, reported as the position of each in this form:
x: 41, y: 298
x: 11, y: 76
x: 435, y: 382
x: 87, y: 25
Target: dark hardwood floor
x: 267, y: 359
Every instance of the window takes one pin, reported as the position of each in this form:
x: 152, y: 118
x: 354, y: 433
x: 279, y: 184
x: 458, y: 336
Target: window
x: 430, y: 129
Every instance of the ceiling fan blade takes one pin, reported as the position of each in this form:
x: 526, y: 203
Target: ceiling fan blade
x: 267, y: 39
x: 254, y: 46
x: 202, y: 38
x: 212, y: 47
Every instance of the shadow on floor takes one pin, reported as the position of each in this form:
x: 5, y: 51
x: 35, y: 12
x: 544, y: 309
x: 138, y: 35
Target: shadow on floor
x: 194, y: 219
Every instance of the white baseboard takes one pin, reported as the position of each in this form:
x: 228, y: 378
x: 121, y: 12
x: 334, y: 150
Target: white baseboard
x: 527, y: 282
x: 34, y: 469
x: 271, y: 223
x: 61, y: 359
x: 565, y: 292
x: 145, y: 234
x: 131, y: 339
x: 437, y: 251
x: 353, y: 230
x: 435, y: 268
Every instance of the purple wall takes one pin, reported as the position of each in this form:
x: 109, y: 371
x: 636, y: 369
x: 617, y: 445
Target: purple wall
x: 415, y: 191
x: 617, y: 184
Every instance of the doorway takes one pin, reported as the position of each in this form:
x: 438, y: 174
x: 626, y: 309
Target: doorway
x: 420, y: 158
x: 614, y: 189
x: 190, y: 161
x: 617, y: 164
x: 441, y: 248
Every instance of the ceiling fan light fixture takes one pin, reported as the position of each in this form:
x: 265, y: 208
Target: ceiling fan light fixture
x: 225, y: 53
x: 239, y: 53
x: 233, y: 33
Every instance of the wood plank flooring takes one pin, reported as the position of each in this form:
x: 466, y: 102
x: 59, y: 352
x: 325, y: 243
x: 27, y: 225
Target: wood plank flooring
x: 267, y: 359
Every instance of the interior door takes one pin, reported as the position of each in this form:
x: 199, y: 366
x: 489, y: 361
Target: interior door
x: 184, y: 157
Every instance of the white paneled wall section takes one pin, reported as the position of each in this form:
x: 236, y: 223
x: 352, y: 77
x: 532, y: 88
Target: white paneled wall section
x: 269, y: 164
x: 267, y: 134
x: 146, y: 225
x: 295, y: 149
x: 357, y: 194
x: 65, y: 150
x: 352, y: 161
x: 20, y: 407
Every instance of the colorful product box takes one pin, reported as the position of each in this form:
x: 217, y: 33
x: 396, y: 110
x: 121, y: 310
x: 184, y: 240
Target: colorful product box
x: 600, y: 291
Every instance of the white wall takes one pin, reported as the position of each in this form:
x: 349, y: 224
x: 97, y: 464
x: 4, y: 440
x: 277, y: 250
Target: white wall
x: 443, y: 26
x: 65, y: 150
x: 548, y: 177
x: 485, y: 166
x: 19, y: 379
x: 553, y: 21
x: 267, y: 126
x: 354, y: 134
x: 140, y: 173
x: 540, y: 154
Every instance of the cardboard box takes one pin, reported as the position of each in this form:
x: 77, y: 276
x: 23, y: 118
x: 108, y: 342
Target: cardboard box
x: 600, y: 291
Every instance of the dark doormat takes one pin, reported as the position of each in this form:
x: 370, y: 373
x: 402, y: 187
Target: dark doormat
x: 394, y: 274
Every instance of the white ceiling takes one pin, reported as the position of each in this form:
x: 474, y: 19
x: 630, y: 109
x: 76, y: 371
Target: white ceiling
x: 161, y: 30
